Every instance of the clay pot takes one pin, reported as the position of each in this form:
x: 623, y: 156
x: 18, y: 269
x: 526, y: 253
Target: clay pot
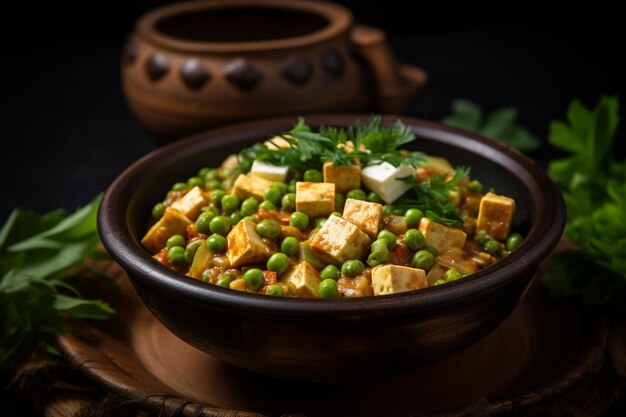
x: 191, y: 66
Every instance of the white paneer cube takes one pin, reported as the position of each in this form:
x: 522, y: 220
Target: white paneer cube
x: 244, y: 245
x: 191, y: 203
x: 440, y: 236
x: 315, y: 199
x: 367, y: 216
x: 339, y: 240
x: 495, y: 215
x: 345, y: 177
x: 269, y: 171
x: 305, y: 278
x: 173, y: 222
x: 391, y: 279
x: 246, y: 186
x: 384, y: 180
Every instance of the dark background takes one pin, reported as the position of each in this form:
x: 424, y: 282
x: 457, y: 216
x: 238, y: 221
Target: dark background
x: 66, y: 131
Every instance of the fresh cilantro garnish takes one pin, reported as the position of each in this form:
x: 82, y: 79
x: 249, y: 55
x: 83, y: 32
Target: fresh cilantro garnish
x: 37, y: 254
x: 594, y: 189
x: 500, y: 125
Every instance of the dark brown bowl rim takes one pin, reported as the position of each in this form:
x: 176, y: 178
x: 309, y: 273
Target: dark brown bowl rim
x: 544, y: 233
x: 339, y: 20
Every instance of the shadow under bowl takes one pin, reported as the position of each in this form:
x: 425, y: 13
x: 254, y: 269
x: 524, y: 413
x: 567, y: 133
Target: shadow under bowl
x: 330, y: 340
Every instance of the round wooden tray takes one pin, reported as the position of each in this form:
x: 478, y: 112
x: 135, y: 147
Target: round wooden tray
x: 541, y: 356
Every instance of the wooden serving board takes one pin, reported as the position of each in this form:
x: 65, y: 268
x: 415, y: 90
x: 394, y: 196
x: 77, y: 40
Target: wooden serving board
x: 540, y: 358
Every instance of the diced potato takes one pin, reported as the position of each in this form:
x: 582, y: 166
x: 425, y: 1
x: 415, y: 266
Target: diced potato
x: 269, y: 171
x: 246, y: 186
x: 277, y: 142
x: 495, y: 215
x: 345, y: 177
x: 201, y: 261
x: 442, y: 237
x: 391, y: 279
x: 384, y: 180
x: 364, y: 214
x: 339, y: 240
x: 315, y: 199
x: 304, y: 278
x: 244, y: 245
x: 173, y: 222
x: 191, y: 203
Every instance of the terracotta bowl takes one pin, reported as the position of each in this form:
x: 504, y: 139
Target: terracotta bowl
x: 191, y: 66
x: 331, y: 339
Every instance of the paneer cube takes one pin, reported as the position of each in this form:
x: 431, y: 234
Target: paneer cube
x: 345, y: 177
x: 305, y: 278
x: 315, y: 199
x: 191, y: 203
x: 440, y: 236
x: 339, y: 240
x: 391, y: 279
x: 244, y: 245
x: 246, y: 186
x: 384, y: 180
x: 269, y: 171
x: 173, y: 222
x: 495, y: 215
x: 367, y: 216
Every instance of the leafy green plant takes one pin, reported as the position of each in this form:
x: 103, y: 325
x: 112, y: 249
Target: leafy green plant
x: 37, y: 254
x: 501, y: 124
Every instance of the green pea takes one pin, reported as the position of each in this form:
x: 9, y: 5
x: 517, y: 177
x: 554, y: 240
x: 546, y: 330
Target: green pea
x: 492, y: 247
x: 514, y: 241
x: 214, y: 185
x: 352, y: 268
x: 216, y: 197
x: 275, y: 290
x: 389, y: 236
x: 267, y: 205
x: 440, y: 282
x: 414, y: 239
x: 280, y: 186
x: 422, y: 260
x: 299, y: 220
x: 224, y: 280
x: 230, y: 203
x: 175, y: 240
x: 176, y: 255
x: 249, y: 206
x: 216, y: 243
x: 289, y: 246
x: 202, y: 172
x: 340, y: 201
x: 328, y: 289
x: 453, y: 274
x: 228, y: 183
x: 203, y: 222
x: 374, y: 198
x: 313, y: 175
x: 191, y: 250
x: 291, y: 188
x: 253, y: 219
x: 179, y: 186
x: 235, y: 217
x: 475, y: 187
x: 272, y: 195
x: 268, y: 228
x: 210, y: 175
x: 432, y: 250
x: 335, y: 213
x: 158, y: 210
x: 413, y: 217
x: 320, y: 222
x: 357, y: 194
x: 482, y: 237
x: 288, y: 202
x: 379, y: 253
x: 389, y: 209
x: 330, y: 272
x: 254, y: 278
x: 220, y: 225
x: 278, y: 263
x: 210, y: 209
x: 195, y: 182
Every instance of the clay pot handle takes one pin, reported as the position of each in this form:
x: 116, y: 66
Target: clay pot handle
x: 395, y: 83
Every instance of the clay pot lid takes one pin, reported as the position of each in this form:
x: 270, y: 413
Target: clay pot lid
x: 338, y: 18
